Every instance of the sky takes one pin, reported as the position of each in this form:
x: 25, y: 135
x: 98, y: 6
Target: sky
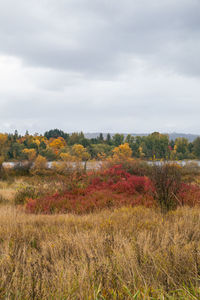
x: 129, y: 66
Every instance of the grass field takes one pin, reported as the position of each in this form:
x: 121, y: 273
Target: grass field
x: 126, y: 253
x: 113, y: 242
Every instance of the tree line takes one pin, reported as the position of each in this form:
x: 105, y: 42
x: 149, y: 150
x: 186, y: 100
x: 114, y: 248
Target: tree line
x: 56, y: 144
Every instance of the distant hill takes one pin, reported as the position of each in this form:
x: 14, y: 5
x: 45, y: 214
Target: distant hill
x: 190, y: 137
x: 172, y: 136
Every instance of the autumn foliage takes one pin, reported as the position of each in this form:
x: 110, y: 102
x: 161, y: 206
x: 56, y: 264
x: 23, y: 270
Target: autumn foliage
x: 115, y: 187
x: 110, y: 188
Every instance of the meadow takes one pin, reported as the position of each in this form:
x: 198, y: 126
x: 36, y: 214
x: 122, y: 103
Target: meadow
x: 101, y: 235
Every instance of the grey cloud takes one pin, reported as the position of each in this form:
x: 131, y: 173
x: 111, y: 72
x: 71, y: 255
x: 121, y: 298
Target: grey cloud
x: 94, y: 37
x: 115, y: 107
x: 98, y: 65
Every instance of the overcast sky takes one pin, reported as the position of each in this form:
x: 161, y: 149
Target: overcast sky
x: 100, y: 65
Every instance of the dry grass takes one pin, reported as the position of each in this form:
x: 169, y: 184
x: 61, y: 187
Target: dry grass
x: 129, y: 253
x: 7, y: 192
x: 15, y: 186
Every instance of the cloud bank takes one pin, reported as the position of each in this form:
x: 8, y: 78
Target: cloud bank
x: 97, y: 65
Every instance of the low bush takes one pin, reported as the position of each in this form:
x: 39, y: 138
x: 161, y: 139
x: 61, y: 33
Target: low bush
x: 190, y: 172
x: 119, y: 180
x: 113, y: 187
x: 133, y: 166
x: 189, y: 194
x: 24, y: 192
x: 85, y: 203
x: 166, y: 179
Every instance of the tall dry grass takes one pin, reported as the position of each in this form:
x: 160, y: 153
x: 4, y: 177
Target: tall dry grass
x: 7, y: 192
x: 129, y: 253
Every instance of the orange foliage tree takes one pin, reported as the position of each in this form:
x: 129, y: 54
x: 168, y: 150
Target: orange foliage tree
x: 57, y: 144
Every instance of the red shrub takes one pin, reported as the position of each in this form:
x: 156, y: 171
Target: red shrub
x: 110, y: 188
x: 189, y: 195
x: 133, y: 185
x: 113, y: 187
x: 120, y: 181
x: 96, y: 200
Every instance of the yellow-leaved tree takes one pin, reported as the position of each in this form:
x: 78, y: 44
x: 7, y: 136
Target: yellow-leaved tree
x: 57, y: 144
x: 30, y: 154
x: 1, y: 162
x: 67, y: 157
x: 122, y: 152
x: 3, y: 140
x: 141, y: 153
x: 80, y: 153
x: 40, y: 165
x: 66, y: 165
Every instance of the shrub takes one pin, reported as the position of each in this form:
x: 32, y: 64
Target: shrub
x: 132, y: 166
x: 40, y: 166
x: 166, y: 179
x: 190, y: 171
x: 189, y: 194
x: 1, y: 162
x: 109, y: 188
x: 23, y: 193
x: 118, y: 179
x: 80, y: 202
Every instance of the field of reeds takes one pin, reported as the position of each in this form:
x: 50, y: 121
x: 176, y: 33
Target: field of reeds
x: 127, y: 253
x: 124, y: 232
